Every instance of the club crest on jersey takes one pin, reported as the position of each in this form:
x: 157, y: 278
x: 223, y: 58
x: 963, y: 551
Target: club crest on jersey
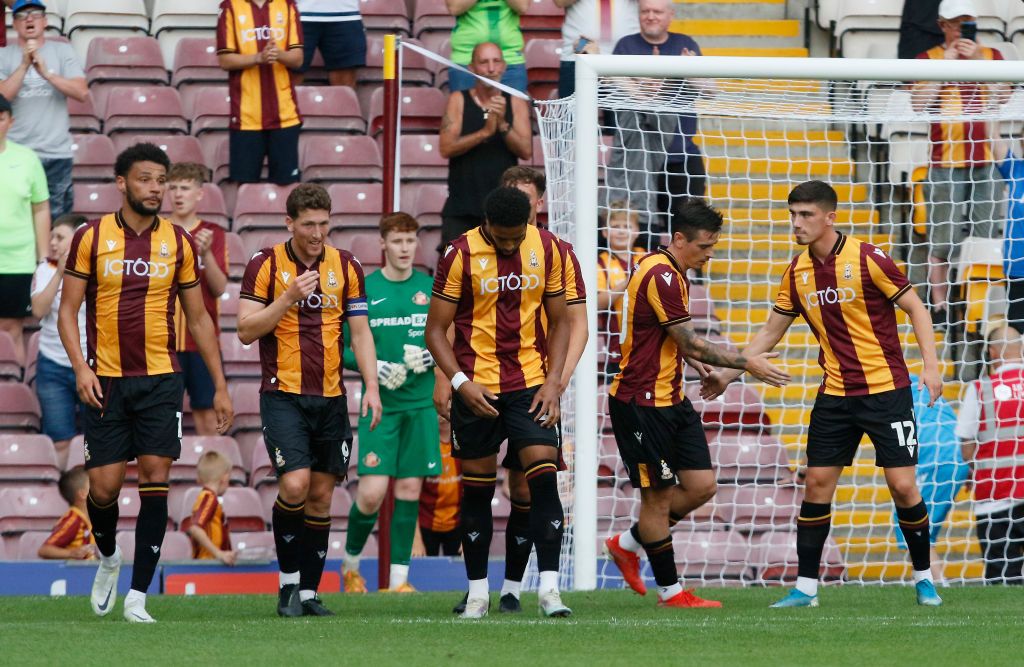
x: 667, y: 277
x: 666, y: 472
x: 164, y: 252
x: 85, y: 448
x: 332, y: 280
x: 848, y: 271
x: 420, y: 299
x: 111, y: 244
x: 533, y: 259
x: 278, y: 459
x: 371, y: 460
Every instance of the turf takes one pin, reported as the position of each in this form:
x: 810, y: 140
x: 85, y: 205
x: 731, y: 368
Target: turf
x: 854, y: 626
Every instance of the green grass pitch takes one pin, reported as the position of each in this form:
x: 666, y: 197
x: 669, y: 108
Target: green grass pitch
x: 854, y: 626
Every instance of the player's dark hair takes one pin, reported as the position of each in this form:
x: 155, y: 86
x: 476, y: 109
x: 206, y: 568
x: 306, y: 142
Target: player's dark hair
x: 819, y: 193
x: 693, y: 216
x: 144, y: 152
x: 71, y: 482
x: 513, y: 176
x: 507, y: 207
x: 307, y: 197
x: 72, y: 220
x: 397, y: 222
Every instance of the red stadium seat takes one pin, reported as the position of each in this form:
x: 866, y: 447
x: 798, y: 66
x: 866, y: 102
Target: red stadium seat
x: 229, y: 306
x: 192, y: 449
x: 339, y: 158
x: 144, y: 109
x: 384, y: 16
x: 209, y: 109
x: 421, y: 159
x: 125, y: 59
x: 179, y: 148
x: 702, y: 310
x: 261, y: 470
x: 415, y: 70
x: 182, y: 15
x: 29, y: 543
x: 93, y: 156
x: 330, y: 109
x: 542, y: 20
x: 261, y: 206
x: 258, y: 239
x: 76, y: 452
x: 27, y: 458
x: 341, y: 504
x: 424, y: 201
x: 83, y: 116
x: 30, y: 508
x: 543, y: 60
x: 237, y: 259
x: 740, y: 406
x: 217, y: 155
x: 336, y: 546
x: 195, y: 62
x: 719, y: 554
x: 10, y: 369
x: 245, y: 397
x: 176, y: 546
x: 254, y: 545
x: 366, y: 248
x: 750, y: 507
x: 432, y: 16
x: 614, y: 510
x: 94, y: 200
x: 743, y: 458
x: 355, y: 205
x: 775, y: 558
x: 421, y: 110
x: 241, y: 361
x: 19, y: 408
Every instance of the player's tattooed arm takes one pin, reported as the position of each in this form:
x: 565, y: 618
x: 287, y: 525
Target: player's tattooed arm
x: 760, y: 366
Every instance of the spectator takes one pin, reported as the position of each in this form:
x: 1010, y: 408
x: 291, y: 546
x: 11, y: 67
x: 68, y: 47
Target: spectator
x: 483, y: 133
x: 55, y: 379
x: 614, y: 266
x: 1012, y: 169
x: 185, y: 185
x: 24, y: 228
x: 208, y: 527
x: 655, y: 161
x: 941, y: 471
x: 265, y: 119
x: 336, y: 28
x: 38, y: 76
x: 494, y: 21
x: 961, y: 169
x: 988, y: 427
x: 72, y: 538
x: 437, y: 531
x: 918, y: 28
x: 591, y: 26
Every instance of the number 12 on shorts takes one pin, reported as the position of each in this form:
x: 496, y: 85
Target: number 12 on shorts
x: 907, y: 433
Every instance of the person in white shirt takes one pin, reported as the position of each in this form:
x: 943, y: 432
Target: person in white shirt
x: 592, y: 26
x: 991, y: 431
x: 55, y: 380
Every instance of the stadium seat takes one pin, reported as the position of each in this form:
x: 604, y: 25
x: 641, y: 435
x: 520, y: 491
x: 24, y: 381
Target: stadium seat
x: 85, y: 20
x: 245, y: 397
x: 750, y: 507
x: 94, y: 200
x: 258, y: 239
x: 210, y: 109
x: 176, y: 546
x: 229, y: 303
x: 197, y: 15
x: 27, y: 458
x: 241, y: 361
x: 543, y: 60
x: 366, y: 248
x: 10, y: 368
x: 242, y: 508
x: 424, y: 201
x: 614, y: 510
x: 260, y: 206
x: 715, y: 555
x: 254, y: 545
x: 421, y: 110
x: 355, y: 205
x: 421, y: 159
x: 183, y: 471
x: 861, y: 22
x: 702, y: 310
x: 76, y: 452
x: 29, y: 543
x: 432, y: 16
x: 339, y: 158
x: 139, y: 109
x: 741, y: 458
x: 980, y: 272
x: 384, y: 16
x: 216, y: 154
x: 19, y: 408
x: 775, y: 559
x: 125, y: 59
x: 30, y: 507
x: 341, y: 504
x: 83, y: 117
x: 330, y: 109
x: 542, y: 20
x: 336, y: 546
x: 93, y: 156
x: 237, y: 259
x: 415, y: 70
x: 195, y: 63
x: 261, y: 470
x: 179, y: 148
x: 740, y: 406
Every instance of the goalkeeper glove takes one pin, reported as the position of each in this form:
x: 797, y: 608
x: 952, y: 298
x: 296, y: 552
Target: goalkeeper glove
x: 389, y: 375
x: 418, y: 359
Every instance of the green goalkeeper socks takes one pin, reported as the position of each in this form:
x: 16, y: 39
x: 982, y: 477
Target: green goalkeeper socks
x: 359, y: 527
x: 403, y: 530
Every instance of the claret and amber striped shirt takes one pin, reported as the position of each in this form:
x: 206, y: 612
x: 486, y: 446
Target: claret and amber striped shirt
x: 303, y: 354
x: 499, y: 333
x: 657, y: 297
x: 848, y: 302
x: 208, y: 514
x: 262, y: 96
x: 132, y: 283
x: 72, y: 531
x: 219, y: 250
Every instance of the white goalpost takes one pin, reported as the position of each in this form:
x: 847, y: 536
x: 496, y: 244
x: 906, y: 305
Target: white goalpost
x: 765, y: 124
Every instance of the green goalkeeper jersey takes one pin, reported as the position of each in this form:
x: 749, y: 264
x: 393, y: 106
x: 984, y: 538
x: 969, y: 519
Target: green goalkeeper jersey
x: 397, y: 312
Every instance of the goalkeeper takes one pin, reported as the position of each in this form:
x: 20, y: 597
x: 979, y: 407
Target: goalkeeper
x: 405, y: 445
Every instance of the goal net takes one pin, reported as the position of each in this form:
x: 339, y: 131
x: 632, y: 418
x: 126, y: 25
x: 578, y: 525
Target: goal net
x: 614, y: 161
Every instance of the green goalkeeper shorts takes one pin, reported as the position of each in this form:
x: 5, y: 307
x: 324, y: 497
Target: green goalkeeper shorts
x: 404, y: 444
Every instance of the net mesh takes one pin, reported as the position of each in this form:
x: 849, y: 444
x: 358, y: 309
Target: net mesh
x: 757, y: 140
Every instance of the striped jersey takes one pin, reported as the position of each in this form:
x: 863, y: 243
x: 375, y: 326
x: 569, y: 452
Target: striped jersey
x: 262, y: 96
x: 960, y: 143
x: 441, y: 496
x: 657, y: 297
x: 611, y: 269
x: 132, y: 283
x: 575, y: 290
x: 219, y: 250
x: 72, y: 531
x: 499, y: 333
x: 848, y: 302
x: 303, y: 354
x: 208, y: 514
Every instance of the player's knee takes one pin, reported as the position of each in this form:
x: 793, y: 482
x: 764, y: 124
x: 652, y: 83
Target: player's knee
x: 369, y: 500
x: 904, y: 492
x: 518, y: 486
x: 293, y: 490
x: 408, y: 488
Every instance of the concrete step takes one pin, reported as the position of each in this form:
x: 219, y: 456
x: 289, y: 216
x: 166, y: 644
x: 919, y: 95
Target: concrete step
x: 774, y: 218
x: 873, y: 571
x: 760, y: 167
x: 754, y: 52
x: 777, y: 191
x: 740, y: 28
x: 730, y: 9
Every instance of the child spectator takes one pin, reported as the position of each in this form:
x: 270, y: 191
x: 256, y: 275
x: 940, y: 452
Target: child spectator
x: 613, y: 268
x: 437, y: 531
x: 208, y: 527
x: 72, y: 538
